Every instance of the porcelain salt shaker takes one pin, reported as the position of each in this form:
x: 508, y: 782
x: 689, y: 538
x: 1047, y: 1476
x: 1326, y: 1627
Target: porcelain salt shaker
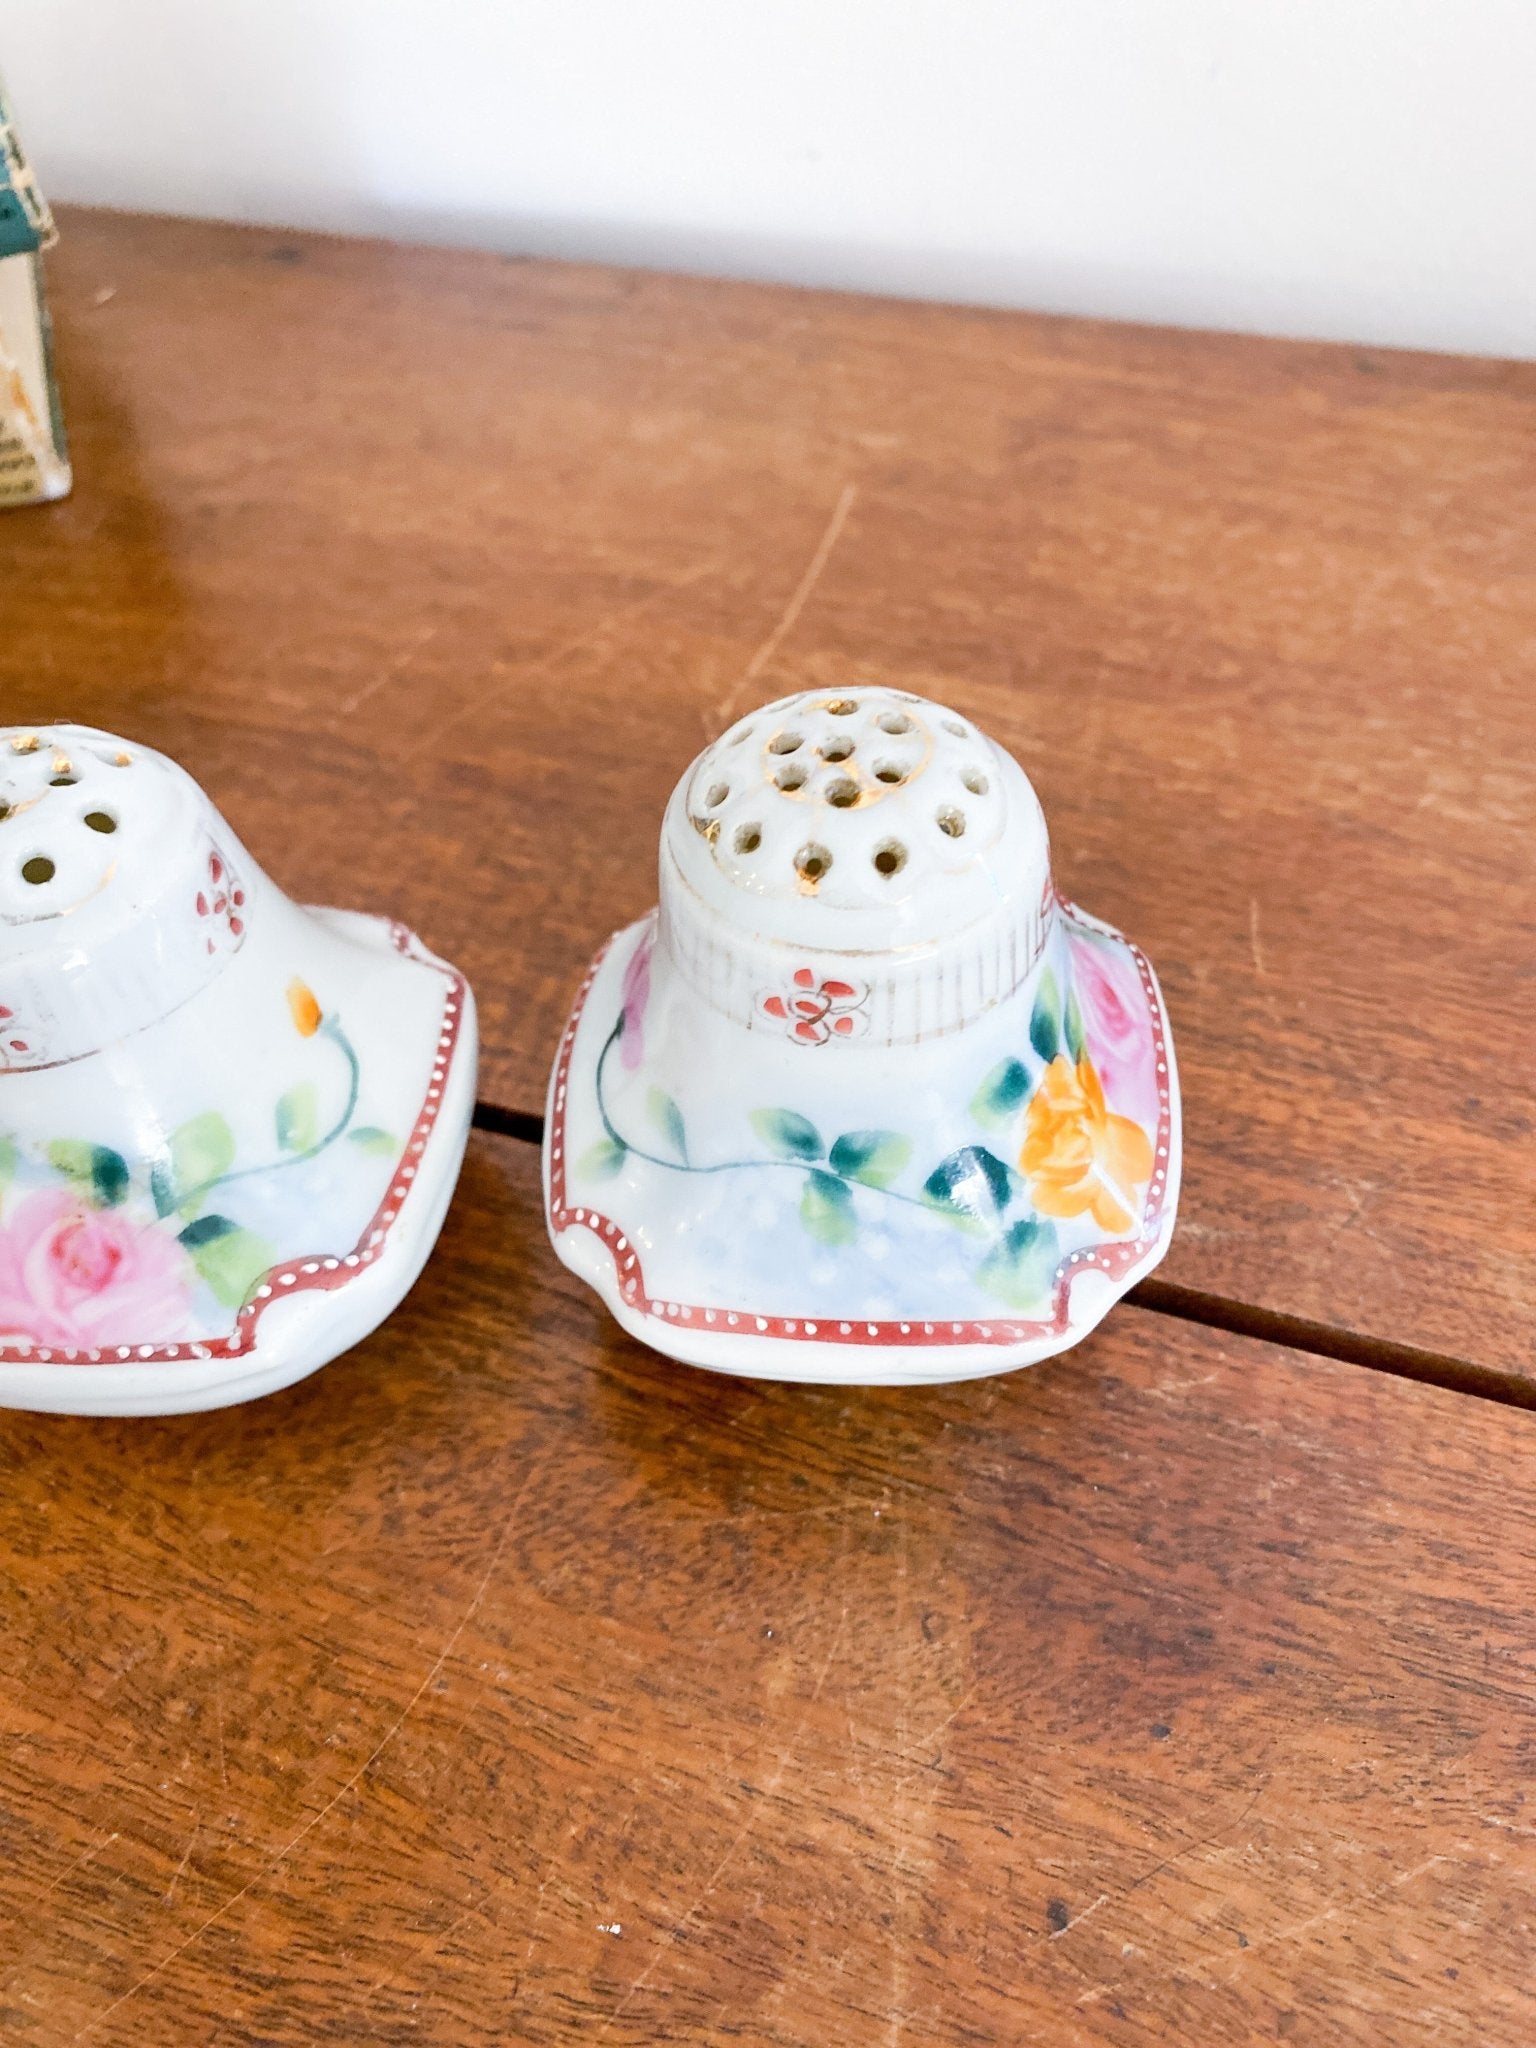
x: 864, y: 1099
x: 229, y: 1126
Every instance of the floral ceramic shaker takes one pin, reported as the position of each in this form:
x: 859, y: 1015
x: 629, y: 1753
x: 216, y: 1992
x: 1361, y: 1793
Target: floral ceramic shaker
x: 864, y: 1099
x: 229, y: 1126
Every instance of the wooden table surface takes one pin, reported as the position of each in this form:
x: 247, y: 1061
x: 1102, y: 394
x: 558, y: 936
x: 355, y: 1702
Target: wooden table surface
x: 506, y: 1683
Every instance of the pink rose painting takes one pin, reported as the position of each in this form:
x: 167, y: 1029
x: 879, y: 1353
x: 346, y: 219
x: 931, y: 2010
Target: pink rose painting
x: 1118, y: 1026
x: 636, y: 994
x: 80, y: 1277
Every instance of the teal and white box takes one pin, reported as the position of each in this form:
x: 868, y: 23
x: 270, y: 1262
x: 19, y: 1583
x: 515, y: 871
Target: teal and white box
x: 34, y: 458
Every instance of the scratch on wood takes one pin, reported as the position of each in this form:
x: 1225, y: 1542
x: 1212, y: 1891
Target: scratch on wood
x: 557, y: 1857
x: 104, y: 1842
x: 218, y: 1722
x: 276, y: 1862
x: 680, y: 1927
x: 433, y: 1941
x: 1253, y: 939
x: 1320, y: 1919
x: 349, y: 706
x: 186, y: 1858
x: 1359, y: 1195
x: 725, y: 709
x: 1097, y: 1991
x: 930, y: 1736
x: 903, y: 1802
x: 1514, y: 1827
x: 525, y: 672
x: 1173, y: 1390
x: 1078, y: 1918
x: 1193, y: 1848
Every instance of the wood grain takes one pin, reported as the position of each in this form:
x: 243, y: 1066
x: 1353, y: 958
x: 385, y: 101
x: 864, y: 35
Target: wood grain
x: 438, y: 568
x: 506, y: 1683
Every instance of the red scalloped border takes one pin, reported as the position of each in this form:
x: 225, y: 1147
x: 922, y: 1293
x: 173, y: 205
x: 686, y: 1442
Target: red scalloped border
x: 1111, y: 1260
x: 323, y: 1275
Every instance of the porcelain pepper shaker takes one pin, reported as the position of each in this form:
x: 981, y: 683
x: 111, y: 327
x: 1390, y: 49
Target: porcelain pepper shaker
x: 229, y: 1126
x: 864, y: 1099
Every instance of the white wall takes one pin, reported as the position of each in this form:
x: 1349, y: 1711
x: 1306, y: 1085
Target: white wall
x: 1364, y: 169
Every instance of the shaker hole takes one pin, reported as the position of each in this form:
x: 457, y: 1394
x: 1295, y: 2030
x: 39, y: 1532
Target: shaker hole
x: 742, y: 732
x: 950, y: 821
x: 37, y: 870
x: 953, y: 725
x: 844, y: 793
x: 812, y: 862
x: 894, y: 722
x: 836, y: 749
x: 101, y: 821
x: 975, y: 781
x: 890, y: 858
x: 718, y: 792
x: 785, y: 743
x: 890, y: 771
x: 62, y: 781
x: 748, y: 838
x: 840, y: 707
x: 791, y: 777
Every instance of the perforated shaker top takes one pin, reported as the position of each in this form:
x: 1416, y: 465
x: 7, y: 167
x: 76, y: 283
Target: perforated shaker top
x: 880, y: 836
x: 121, y: 891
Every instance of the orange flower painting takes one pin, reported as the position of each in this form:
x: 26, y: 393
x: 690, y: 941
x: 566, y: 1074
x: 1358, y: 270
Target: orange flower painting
x: 1077, y: 1154
x: 303, y: 1008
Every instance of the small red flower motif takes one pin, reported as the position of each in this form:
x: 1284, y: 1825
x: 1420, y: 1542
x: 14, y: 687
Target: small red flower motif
x: 220, y: 901
x: 816, y: 1011
x: 10, y: 1040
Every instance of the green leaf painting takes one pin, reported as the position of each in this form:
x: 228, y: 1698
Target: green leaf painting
x: 1001, y: 1094
x: 229, y: 1259
x: 1019, y: 1270
x: 1072, y: 1025
x: 298, y: 1117
x: 788, y: 1133
x: 202, y: 1150
x: 872, y: 1179
x: 972, y: 1185
x: 109, y: 1176
x: 602, y: 1160
x: 72, y: 1158
x: 186, y: 1174
x: 826, y: 1209
x: 668, y: 1119
x: 873, y: 1157
x: 206, y: 1230
x: 98, y: 1172
x: 369, y: 1138
x: 1045, y: 1019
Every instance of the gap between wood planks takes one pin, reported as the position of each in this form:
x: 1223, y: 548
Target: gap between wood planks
x: 1222, y: 1312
